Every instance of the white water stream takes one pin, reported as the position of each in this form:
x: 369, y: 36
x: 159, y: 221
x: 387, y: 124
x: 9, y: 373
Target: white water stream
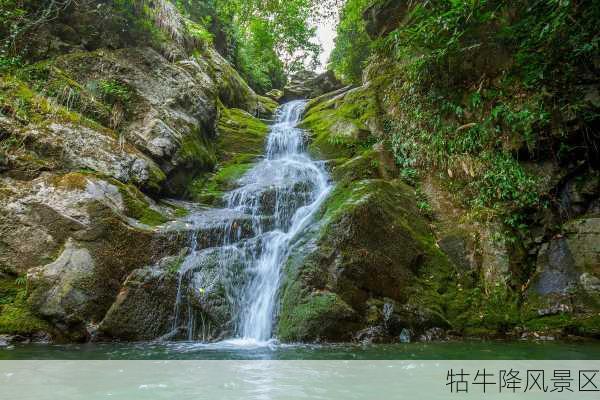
x: 275, y: 201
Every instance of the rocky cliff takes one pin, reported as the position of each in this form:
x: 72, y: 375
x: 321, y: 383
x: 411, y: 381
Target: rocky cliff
x: 108, y: 119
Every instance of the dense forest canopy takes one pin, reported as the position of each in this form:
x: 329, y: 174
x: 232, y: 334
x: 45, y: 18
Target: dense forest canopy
x: 264, y: 39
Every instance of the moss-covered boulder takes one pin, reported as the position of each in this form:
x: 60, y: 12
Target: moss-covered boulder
x: 84, y: 235
x: 369, y: 249
x: 16, y: 316
x: 340, y: 124
x: 144, y: 308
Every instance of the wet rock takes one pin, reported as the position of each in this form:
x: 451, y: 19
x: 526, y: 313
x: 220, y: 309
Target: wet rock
x: 369, y: 335
x: 144, y: 308
x: 433, y: 334
x: 405, y: 336
x: 556, y: 271
x: 211, y: 282
x: 307, y: 85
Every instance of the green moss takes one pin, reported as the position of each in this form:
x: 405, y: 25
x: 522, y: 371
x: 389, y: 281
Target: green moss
x: 196, y: 151
x: 551, y: 323
x: 241, y: 140
x: 308, y: 317
x: 174, y: 265
x: 362, y: 166
x: 339, y: 125
x: 156, y: 178
x: 588, y: 325
x: 22, y: 103
x: 16, y: 317
x: 267, y: 106
x: 137, y: 207
x: 94, y: 101
x: 180, y: 212
x: 240, y: 133
x: 210, y: 189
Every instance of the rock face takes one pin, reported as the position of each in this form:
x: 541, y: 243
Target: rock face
x: 83, y: 241
x: 353, y: 274
x: 383, y: 16
x: 95, y: 131
x: 557, y: 272
x: 308, y: 85
x: 447, y: 272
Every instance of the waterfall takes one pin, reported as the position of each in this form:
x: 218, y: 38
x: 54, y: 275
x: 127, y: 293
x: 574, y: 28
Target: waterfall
x: 237, y: 253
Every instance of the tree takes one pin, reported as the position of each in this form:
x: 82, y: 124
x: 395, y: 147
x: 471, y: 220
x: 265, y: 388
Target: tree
x: 352, y: 44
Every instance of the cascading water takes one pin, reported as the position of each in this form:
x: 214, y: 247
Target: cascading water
x: 237, y: 253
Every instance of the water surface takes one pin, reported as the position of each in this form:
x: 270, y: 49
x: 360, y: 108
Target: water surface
x: 460, y: 350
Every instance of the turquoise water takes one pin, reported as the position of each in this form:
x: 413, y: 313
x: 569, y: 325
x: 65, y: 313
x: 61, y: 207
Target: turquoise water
x: 460, y: 350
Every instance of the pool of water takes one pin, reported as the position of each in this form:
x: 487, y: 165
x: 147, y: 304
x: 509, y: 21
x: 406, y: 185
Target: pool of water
x: 459, y: 350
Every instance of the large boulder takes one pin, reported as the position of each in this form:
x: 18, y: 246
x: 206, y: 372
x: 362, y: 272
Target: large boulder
x: 84, y: 235
x: 307, y: 85
x: 570, y: 260
x: 339, y: 121
x: 144, y: 309
x: 368, y: 251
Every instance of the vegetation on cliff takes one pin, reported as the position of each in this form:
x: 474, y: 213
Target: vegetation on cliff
x: 491, y: 111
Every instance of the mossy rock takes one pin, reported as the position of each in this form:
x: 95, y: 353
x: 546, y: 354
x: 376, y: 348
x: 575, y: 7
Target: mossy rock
x: 143, y: 309
x: 137, y: 207
x: 210, y: 189
x: 27, y: 106
x: 239, y: 133
x: 339, y: 126
x: 266, y: 107
x: 319, y: 315
x: 241, y: 140
x: 16, y: 317
x: 371, y: 246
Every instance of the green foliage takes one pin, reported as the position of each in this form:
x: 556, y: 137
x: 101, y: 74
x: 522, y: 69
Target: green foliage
x: 257, y: 59
x: 505, y: 181
x: 423, y: 204
x: 19, y: 101
x: 12, y: 18
x: 352, y: 44
x: 473, y: 88
x: 113, y: 91
x: 199, y: 32
x: 268, y: 38
x: 15, y: 315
